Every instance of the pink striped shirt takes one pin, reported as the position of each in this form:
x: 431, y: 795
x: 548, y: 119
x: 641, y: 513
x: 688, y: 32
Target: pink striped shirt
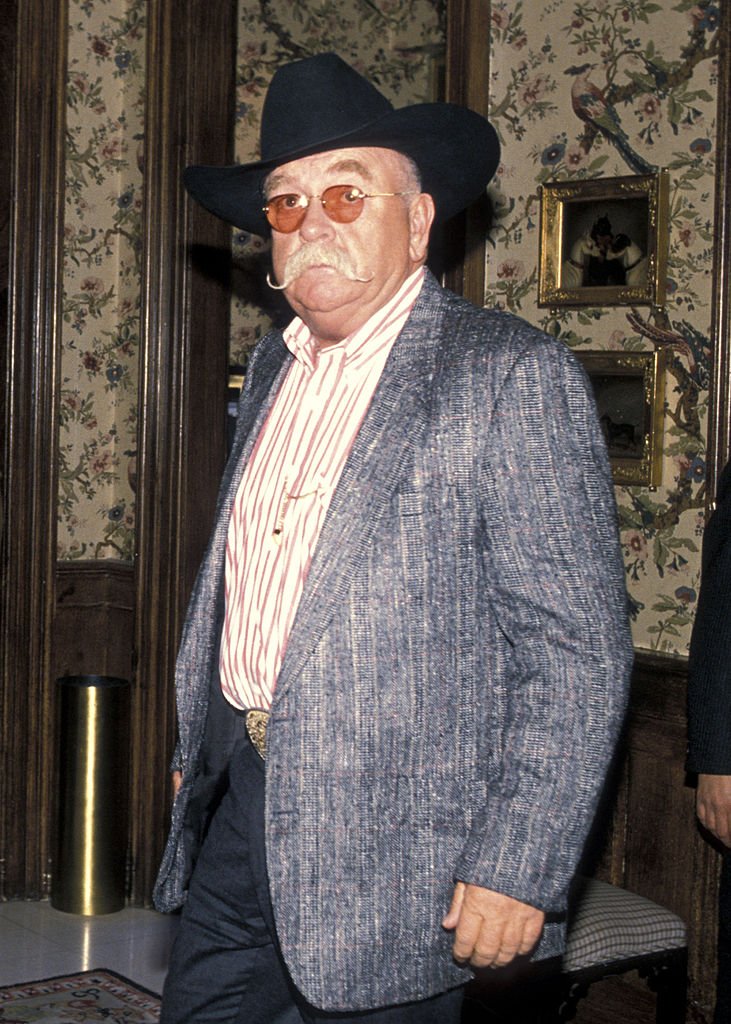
x: 286, y: 490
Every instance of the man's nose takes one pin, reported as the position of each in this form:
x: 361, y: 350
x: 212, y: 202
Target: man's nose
x: 316, y: 223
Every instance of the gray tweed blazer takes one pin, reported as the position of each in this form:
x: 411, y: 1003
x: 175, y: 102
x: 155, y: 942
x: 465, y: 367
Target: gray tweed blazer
x: 457, y: 670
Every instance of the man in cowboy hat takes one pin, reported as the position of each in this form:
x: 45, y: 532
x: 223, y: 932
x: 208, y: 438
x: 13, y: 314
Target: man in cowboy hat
x: 405, y: 659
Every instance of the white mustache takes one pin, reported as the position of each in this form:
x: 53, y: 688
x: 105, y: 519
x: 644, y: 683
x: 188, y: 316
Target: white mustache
x: 318, y: 254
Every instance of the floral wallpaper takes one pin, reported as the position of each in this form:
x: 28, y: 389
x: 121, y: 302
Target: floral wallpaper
x: 578, y: 89
x: 603, y: 88
x: 105, y: 91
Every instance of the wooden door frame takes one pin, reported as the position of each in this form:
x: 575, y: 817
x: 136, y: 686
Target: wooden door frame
x: 191, y: 62
x: 467, y: 82
x: 719, y: 413
x: 29, y: 432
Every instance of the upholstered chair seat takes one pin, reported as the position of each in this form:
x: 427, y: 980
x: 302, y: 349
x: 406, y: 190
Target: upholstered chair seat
x: 611, y: 931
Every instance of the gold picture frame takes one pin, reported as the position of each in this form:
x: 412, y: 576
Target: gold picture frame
x: 629, y: 388
x: 604, y: 241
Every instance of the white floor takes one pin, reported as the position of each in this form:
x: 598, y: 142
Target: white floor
x: 37, y: 942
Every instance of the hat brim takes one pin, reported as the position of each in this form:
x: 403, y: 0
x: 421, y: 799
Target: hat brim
x: 456, y: 150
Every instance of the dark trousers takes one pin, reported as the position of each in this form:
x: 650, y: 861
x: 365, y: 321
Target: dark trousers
x: 723, y: 987
x: 226, y: 967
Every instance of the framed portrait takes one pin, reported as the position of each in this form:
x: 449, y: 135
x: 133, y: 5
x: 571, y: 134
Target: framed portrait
x: 604, y: 241
x: 629, y: 388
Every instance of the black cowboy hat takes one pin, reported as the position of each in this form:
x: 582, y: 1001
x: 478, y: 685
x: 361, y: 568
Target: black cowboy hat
x: 320, y: 104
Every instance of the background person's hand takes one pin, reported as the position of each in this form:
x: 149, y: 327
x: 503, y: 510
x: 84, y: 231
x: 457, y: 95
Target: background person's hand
x: 713, y: 805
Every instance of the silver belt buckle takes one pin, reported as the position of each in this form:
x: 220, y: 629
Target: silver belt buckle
x: 256, y: 727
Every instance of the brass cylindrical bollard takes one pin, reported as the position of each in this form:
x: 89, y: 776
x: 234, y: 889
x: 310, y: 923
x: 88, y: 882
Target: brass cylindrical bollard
x: 93, y: 797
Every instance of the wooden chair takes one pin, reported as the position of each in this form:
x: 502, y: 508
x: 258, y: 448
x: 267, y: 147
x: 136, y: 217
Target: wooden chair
x: 611, y: 931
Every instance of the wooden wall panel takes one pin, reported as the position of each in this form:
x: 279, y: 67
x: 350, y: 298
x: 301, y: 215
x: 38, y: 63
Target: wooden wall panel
x: 653, y: 845
x: 8, y: 19
x: 93, y: 631
x: 719, y: 413
x: 467, y: 82
x: 183, y: 378
x: 35, y: 33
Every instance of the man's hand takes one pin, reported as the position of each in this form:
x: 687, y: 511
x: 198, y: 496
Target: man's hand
x: 491, y: 929
x: 713, y: 805
x: 177, y: 782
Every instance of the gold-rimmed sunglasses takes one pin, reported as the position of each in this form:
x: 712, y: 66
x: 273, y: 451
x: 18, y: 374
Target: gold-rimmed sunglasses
x: 342, y: 204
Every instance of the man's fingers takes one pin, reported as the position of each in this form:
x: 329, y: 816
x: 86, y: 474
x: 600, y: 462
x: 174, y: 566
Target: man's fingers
x: 450, y: 921
x: 491, y: 929
x: 497, y: 947
x: 531, y: 932
x: 467, y: 935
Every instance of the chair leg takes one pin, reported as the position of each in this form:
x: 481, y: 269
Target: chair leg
x: 670, y: 983
x: 562, y: 1002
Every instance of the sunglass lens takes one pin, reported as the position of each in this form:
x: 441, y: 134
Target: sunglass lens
x: 285, y: 213
x: 343, y: 203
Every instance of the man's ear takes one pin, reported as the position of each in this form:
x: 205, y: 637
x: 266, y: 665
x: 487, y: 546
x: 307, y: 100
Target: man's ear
x: 421, y: 218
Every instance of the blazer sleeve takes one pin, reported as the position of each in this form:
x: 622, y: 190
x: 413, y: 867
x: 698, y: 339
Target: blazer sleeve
x: 709, y: 662
x: 553, y: 558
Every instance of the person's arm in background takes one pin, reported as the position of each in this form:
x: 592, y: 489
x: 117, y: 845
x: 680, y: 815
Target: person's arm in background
x: 709, y: 674
x: 713, y: 805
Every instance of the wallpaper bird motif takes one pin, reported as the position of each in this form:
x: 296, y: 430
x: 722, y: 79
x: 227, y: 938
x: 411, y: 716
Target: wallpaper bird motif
x: 590, y: 104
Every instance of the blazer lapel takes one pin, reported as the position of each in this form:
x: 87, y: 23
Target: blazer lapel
x: 392, y: 429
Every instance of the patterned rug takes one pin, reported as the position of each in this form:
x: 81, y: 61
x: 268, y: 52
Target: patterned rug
x: 79, y: 999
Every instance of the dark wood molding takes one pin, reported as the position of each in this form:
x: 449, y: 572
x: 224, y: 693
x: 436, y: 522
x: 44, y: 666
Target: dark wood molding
x: 93, y: 629
x: 35, y: 147
x: 183, y: 375
x: 467, y: 83
x: 719, y: 413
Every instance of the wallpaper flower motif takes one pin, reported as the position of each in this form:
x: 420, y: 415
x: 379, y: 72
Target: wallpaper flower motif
x: 101, y: 279
x: 598, y: 89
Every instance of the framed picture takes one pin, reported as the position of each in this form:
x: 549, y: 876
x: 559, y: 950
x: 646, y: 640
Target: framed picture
x: 630, y: 396
x: 604, y: 241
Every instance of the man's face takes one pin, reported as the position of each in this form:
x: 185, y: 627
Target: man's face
x: 373, y: 255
